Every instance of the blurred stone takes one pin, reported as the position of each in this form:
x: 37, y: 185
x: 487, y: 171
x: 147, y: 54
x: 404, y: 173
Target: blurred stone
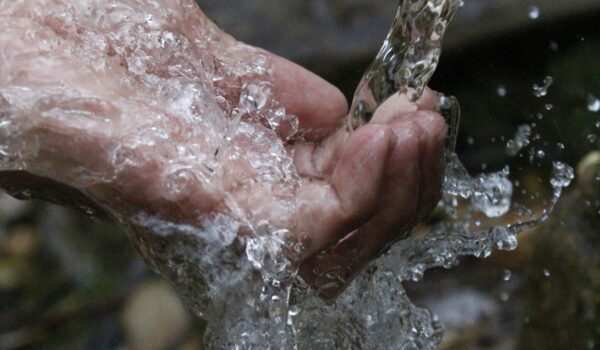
x: 11, y: 208
x: 21, y: 241
x: 12, y: 273
x: 154, y: 317
x: 194, y: 342
x: 588, y: 175
x: 463, y: 308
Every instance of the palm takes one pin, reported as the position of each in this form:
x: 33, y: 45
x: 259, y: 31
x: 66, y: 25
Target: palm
x: 147, y: 106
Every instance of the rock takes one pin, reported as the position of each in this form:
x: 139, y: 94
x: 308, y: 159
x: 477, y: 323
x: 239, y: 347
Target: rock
x: 11, y: 208
x: 154, y: 318
x: 588, y: 175
x: 10, y: 274
x: 22, y: 241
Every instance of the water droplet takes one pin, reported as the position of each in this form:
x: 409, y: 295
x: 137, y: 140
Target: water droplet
x: 592, y: 138
x: 507, y: 275
x: 593, y: 103
x: 541, y: 154
x: 562, y: 175
x: 542, y: 90
x: 493, y: 194
x: 501, y: 91
x: 470, y: 140
x: 533, y: 12
x: 554, y: 46
x: 25, y: 194
x: 519, y: 141
x: 294, y: 311
x: 546, y: 273
x: 504, y: 297
x: 549, y: 106
x: 560, y: 145
x: 254, y: 96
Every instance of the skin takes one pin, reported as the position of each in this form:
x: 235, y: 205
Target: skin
x: 359, y: 192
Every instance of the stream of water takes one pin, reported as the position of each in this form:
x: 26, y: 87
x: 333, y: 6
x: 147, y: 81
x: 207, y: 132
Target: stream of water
x: 247, y: 285
x: 375, y: 312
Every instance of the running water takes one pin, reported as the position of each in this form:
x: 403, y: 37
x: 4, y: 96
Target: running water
x: 407, y: 59
x: 375, y: 312
x: 246, y: 286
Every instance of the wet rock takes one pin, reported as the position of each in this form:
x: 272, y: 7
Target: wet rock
x: 154, y: 317
x: 11, y: 208
x: 22, y: 241
x: 588, y: 175
x: 9, y: 274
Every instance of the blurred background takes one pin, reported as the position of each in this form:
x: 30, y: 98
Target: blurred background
x: 68, y: 281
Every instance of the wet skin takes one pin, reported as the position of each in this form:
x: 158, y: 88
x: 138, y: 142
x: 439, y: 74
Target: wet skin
x: 360, y: 191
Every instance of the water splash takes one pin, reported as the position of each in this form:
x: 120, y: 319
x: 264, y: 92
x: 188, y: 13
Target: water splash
x: 593, y: 103
x: 542, y: 90
x: 407, y: 59
x: 519, y: 141
x: 239, y: 274
x: 533, y: 12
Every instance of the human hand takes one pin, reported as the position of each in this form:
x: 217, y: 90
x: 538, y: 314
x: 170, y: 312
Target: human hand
x: 147, y: 106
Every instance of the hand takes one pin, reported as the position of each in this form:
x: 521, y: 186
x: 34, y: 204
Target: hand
x: 148, y: 107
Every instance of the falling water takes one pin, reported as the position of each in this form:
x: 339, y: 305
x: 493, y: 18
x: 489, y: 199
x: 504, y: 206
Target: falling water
x: 247, y: 286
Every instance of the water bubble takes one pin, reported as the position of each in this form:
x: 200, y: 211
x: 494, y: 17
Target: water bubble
x: 560, y: 145
x: 546, y: 273
x: 506, y: 275
x: 592, y: 138
x: 591, y: 344
x: 519, y: 141
x: 470, y: 140
x: 533, y: 12
x: 504, y: 297
x: 493, y: 194
x: 554, y: 46
x: 254, y: 96
x: 549, y: 106
x: 562, y: 175
x: 541, y: 154
x: 501, y: 91
x: 542, y: 90
x: 505, y: 239
x: 417, y: 272
x: 593, y: 103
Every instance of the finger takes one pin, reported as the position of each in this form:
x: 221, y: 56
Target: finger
x: 396, y: 214
x: 317, y: 160
x: 428, y: 101
x: 399, y: 105
x: 328, y: 211
x: 431, y: 160
x: 410, y: 189
x: 318, y: 105
x: 395, y: 107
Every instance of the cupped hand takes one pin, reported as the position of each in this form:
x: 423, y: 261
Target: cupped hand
x: 147, y: 106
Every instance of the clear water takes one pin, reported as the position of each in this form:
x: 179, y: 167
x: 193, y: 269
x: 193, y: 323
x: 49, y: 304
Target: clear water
x: 246, y: 286
x: 408, y: 57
